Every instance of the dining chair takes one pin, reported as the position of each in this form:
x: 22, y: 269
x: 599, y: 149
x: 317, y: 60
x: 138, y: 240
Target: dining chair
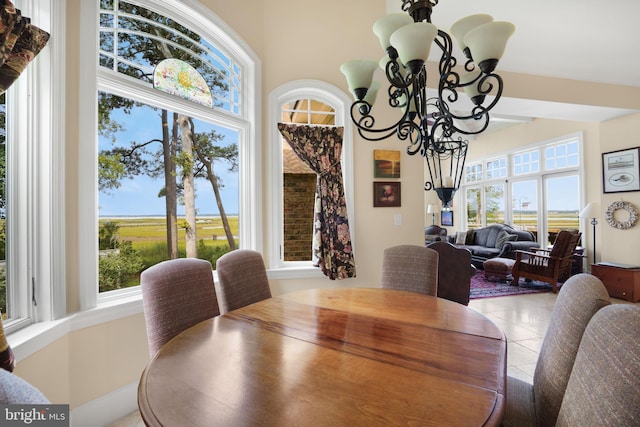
x: 551, y: 266
x: 538, y: 404
x: 16, y: 391
x: 604, y: 387
x: 454, y: 272
x: 176, y: 295
x: 242, y: 279
x: 410, y: 268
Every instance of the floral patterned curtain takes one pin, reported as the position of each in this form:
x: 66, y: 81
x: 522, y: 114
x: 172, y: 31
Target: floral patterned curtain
x: 20, y: 42
x: 320, y: 148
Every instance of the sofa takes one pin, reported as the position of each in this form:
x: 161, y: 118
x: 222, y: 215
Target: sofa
x: 492, y: 241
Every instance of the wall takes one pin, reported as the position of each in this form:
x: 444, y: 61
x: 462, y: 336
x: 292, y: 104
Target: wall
x: 304, y: 39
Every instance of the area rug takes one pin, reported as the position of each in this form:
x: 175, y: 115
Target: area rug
x: 483, y: 288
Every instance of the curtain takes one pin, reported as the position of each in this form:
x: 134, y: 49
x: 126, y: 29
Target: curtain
x: 20, y: 42
x: 320, y: 148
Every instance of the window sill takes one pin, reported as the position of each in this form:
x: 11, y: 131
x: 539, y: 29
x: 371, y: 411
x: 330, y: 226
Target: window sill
x: 298, y: 272
x: 37, y: 336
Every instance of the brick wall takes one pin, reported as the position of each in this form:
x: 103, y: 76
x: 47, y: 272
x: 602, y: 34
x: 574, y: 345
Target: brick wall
x: 299, y: 196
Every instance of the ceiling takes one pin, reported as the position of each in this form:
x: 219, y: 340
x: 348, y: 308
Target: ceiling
x: 585, y: 40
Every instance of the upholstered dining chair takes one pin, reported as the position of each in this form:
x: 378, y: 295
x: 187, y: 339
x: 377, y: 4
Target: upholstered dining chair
x: 551, y: 266
x: 454, y: 272
x: 14, y: 390
x: 410, y: 268
x: 604, y: 387
x: 242, y: 279
x: 538, y: 404
x: 176, y: 295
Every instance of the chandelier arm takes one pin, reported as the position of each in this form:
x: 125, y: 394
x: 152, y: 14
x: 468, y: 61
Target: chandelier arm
x: 366, y: 121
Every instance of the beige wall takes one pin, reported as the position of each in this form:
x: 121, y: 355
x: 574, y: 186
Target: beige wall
x: 304, y: 39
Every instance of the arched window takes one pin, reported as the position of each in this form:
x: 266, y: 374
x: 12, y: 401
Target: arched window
x: 309, y: 102
x: 175, y: 155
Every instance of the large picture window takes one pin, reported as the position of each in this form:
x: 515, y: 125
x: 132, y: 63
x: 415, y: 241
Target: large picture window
x: 536, y: 189
x: 175, y: 159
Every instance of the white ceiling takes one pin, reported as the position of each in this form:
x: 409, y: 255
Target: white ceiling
x: 589, y: 40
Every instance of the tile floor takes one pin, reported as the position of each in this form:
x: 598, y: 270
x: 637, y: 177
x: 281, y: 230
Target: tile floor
x: 523, y: 318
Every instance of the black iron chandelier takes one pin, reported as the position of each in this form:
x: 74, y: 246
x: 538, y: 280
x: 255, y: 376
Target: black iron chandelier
x: 432, y: 125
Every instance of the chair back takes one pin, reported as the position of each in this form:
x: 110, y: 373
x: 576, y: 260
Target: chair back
x: 564, y: 247
x: 16, y: 391
x: 604, y: 387
x: 410, y: 268
x: 454, y: 272
x: 578, y: 300
x: 176, y: 295
x: 242, y: 279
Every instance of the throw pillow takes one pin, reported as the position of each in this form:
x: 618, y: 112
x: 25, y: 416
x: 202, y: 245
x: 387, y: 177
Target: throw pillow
x: 470, y: 237
x: 503, y: 238
x: 461, y: 237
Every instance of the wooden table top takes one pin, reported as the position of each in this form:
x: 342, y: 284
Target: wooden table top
x: 331, y: 357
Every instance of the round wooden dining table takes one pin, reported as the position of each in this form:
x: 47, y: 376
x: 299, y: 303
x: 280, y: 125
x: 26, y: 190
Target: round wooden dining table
x: 331, y: 357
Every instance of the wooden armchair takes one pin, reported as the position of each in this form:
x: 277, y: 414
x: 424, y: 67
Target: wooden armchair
x: 550, y: 266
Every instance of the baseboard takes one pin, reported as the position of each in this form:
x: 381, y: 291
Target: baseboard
x: 106, y: 409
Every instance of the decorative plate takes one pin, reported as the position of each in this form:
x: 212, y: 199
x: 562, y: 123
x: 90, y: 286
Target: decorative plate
x: 610, y: 215
x: 178, y: 78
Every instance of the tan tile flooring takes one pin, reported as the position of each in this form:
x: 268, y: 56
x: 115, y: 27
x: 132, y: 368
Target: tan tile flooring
x: 523, y: 318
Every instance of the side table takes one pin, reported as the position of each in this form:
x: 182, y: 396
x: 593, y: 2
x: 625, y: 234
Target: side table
x: 622, y: 281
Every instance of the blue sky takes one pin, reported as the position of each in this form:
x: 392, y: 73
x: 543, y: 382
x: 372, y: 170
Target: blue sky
x: 139, y: 196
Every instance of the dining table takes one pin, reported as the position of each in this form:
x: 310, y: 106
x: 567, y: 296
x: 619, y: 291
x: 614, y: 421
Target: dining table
x: 331, y: 357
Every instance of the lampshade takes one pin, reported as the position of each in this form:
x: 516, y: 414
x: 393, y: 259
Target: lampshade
x: 432, y: 209
x: 592, y: 210
x: 460, y: 28
x: 384, y: 27
x: 359, y: 73
x: 370, y: 97
x: 472, y: 89
x: 487, y: 43
x: 413, y: 43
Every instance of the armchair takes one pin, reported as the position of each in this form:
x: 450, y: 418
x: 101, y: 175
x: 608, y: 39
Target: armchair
x: 550, y: 266
x: 434, y: 233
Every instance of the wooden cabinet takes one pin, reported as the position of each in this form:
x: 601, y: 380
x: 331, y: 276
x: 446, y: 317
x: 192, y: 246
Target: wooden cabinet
x: 621, y: 281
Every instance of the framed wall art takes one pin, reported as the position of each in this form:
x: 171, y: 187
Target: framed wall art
x: 621, y: 170
x: 386, y: 164
x: 386, y: 194
x: 446, y: 218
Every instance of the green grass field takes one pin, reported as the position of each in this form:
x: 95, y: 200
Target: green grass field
x: 144, y: 231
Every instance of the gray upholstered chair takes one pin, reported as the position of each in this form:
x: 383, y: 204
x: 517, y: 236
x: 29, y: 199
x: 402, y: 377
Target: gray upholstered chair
x: 454, y: 272
x: 410, y: 268
x: 15, y: 391
x: 242, y: 279
x: 538, y: 404
x: 176, y: 295
x: 604, y: 387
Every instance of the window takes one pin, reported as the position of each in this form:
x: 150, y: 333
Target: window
x: 138, y: 136
x: 305, y: 102
x: 32, y: 195
x: 515, y: 189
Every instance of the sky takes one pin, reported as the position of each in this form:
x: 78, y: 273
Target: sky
x: 139, y: 196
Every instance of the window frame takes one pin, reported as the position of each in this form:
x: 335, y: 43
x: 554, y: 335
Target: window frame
x: 540, y: 177
x: 36, y: 177
x: 341, y: 102
x: 248, y: 123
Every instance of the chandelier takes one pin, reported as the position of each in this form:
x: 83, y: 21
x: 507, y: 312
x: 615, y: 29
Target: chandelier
x: 434, y: 124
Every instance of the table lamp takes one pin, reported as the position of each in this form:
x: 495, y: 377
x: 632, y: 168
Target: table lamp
x: 433, y: 209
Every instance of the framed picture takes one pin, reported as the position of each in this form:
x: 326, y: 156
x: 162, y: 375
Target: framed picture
x: 386, y: 194
x: 621, y: 170
x: 386, y: 164
x: 446, y: 218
